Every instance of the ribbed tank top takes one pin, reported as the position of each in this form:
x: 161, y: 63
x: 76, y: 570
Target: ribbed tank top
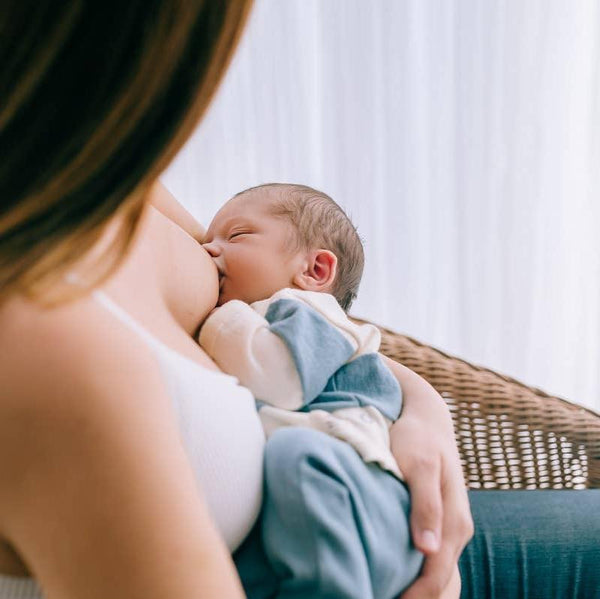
x: 222, y: 435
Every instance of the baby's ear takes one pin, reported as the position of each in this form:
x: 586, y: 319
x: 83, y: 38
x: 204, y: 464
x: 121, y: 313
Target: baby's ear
x: 319, y: 272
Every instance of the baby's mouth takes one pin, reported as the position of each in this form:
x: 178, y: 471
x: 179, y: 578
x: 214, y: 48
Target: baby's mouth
x: 221, y: 284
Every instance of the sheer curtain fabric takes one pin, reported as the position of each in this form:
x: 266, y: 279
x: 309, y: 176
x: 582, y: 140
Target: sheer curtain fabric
x: 462, y: 137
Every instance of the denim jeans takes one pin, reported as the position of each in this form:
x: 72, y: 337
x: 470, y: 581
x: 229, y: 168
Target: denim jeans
x: 533, y: 545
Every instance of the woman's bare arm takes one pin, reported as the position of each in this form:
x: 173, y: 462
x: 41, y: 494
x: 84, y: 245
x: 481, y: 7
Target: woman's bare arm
x: 423, y: 443
x: 164, y: 201
x: 97, y: 496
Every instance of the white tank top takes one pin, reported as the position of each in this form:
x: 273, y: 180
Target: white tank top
x: 222, y: 435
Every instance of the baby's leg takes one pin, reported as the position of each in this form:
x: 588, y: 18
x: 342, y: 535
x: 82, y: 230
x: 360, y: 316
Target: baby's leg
x: 332, y: 525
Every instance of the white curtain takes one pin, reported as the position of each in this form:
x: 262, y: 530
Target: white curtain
x: 463, y: 137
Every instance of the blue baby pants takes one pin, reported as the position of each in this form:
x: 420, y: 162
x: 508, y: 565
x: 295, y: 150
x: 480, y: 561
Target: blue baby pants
x: 331, y: 525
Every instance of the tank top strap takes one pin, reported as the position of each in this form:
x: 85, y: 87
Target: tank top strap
x: 124, y: 316
x: 119, y: 313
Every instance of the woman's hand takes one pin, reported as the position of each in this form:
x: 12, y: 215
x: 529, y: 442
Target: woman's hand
x: 422, y: 442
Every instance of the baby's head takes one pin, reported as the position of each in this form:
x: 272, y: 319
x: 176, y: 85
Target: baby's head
x: 281, y: 235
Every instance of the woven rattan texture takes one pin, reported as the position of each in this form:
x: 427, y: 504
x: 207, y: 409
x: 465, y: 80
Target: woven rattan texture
x: 509, y: 435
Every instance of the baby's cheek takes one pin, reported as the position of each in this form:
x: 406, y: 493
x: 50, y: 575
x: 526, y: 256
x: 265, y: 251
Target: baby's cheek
x: 214, y: 289
x: 209, y: 285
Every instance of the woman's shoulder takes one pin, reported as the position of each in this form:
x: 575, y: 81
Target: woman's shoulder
x: 47, y: 341
x: 88, y: 439
x: 72, y: 360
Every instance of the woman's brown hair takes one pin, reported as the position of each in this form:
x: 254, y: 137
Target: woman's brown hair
x: 95, y: 100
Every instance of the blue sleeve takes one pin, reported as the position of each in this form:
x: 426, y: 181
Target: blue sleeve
x: 366, y: 381
x: 317, y: 347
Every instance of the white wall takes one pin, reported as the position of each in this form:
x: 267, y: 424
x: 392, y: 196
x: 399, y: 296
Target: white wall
x: 464, y: 140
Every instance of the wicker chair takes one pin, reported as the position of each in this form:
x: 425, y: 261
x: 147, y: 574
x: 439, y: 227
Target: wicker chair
x: 509, y: 435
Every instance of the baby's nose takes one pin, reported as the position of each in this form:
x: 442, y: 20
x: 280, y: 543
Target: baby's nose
x: 214, y: 249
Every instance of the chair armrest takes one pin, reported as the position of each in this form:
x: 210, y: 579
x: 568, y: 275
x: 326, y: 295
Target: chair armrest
x: 509, y: 435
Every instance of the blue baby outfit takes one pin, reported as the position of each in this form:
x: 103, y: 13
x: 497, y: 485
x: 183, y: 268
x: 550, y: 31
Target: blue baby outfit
x: 335, y: 517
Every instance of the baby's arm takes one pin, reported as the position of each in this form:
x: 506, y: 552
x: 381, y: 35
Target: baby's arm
x: 284, y: 358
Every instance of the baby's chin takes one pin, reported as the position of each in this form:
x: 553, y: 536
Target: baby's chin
x: 226, y: 295
x: 229, y: 291
x: 222, y: 292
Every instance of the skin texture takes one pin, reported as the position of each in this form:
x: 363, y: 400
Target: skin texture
x: 164, y: 201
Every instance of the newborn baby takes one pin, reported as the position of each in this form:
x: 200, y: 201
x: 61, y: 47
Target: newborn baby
x: 335, y: 519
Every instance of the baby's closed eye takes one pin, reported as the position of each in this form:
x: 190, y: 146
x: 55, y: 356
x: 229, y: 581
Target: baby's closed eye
x: 238, y: 234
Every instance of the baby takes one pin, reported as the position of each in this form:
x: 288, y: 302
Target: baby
x: 335, y: 519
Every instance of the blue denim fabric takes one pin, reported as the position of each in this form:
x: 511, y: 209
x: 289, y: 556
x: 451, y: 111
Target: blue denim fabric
x: 533, y: 545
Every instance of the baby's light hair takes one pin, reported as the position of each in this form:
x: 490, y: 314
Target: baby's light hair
x: 319, y: 223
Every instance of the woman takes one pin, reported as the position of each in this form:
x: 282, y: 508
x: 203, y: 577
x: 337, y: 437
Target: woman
x: 103, y: 446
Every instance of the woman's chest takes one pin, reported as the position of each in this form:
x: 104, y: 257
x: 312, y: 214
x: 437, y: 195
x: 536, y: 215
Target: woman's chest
x: 223, y: 438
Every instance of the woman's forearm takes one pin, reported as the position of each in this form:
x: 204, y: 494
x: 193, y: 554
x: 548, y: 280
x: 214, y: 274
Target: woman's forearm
x: 164, y: 201
x: 423, y: 443
x: 419, y: 397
